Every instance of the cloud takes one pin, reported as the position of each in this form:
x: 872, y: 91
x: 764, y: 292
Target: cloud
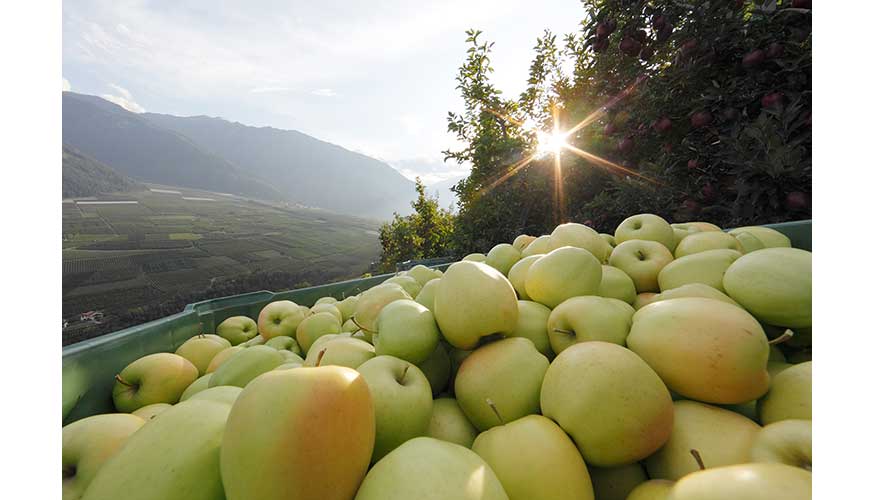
x: 430, y: 170
x: 125, y: 99
x: 324, y: 92
x: 270, y: 90
x: 65, y: 85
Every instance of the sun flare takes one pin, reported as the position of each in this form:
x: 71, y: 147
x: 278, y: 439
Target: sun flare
x: 550, y: 143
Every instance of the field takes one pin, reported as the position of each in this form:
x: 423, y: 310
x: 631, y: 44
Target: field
x: 138, y: 256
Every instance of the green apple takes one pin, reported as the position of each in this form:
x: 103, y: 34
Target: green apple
x: 437, y: 369
x: 518, y: 272
x: 410, y: 285
x: 349, y: 326
x: 704, y: 226
x: 609, y: 401
x: 256, y: 340
x: 654, y: 489
x: 534, y: 459
x: 784, y: 442
x: 449, y: 423
x: 244, y: 366
x: 340, y: 351
x: 643, y: 299
x: 284, y: 343
x: 582, y: 319
x: 237, y: 329
x: 174, y: 457
x: 502, y: 257
x: 747, y: 481
x: 532, y: 324
x: 769, y: 237
x: 642, y: 260
x: 88, y: 443
x: 156, y: 378
x: 609, y: 238
x: 721, y: 437
x: 506, y: 374
x: 648, y: 227
x: 315, y: 326
x: 406, y: 330
x: 474, y: 300
x: 538, y: 246
x: 325, y: 300
x: 475, y: 257
x: 201, y: 384
x: 522, y: 241
x: 329, y: 308
x: 223, y: 356
x: 706, y: 267
x: 288, y: 365
x: 347, y: 307
x: 422, y: 274
x: 576, y: 235
x: 425, y: 468
x: 149, y: 412
x: 703, y: 349
x: 221, y: 394
x: 426, y: 295
x: 616, y: 284
x: 200, y: 350
x: 561, y: 274
x: 789, y: 397
x: 302, y: 433
x: 616, y: 483
x: 305, y: 311
x: 749, y: 243
x: 704, y: 241
x: 372, y: 301
x: 457, y: 357
x: 279, y: 318
x: 774, y: 285
x: 402, y: 402
x: 694, y: 290
x: 681, y: 231
x: 289, y: 356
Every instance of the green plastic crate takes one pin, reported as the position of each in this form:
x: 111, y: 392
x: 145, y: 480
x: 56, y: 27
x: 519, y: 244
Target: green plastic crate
x: 89, y: 366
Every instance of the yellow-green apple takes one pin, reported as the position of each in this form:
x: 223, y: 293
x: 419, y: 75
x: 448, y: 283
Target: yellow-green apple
x: 202, y: 383
x: 290, y: 357
x: 538, y: 246
x: 402, y: 402
x: 703, y: 349
x: 174, y: 457
x: 325, y: 300
x: 517, y: 275
x: 522, y: 241
x: 704, y: 241
x: 609, y: 238
x: 340, y: 351
x: 648, y: 227
x: 244, y: 366
x: 534, y: 459
x: 748, y: 409
x: 774, y: 284
x: 329, y: 308
x: 582, y: 319
x: 303, y: 433
x: 422, y: 274
x: 694, y: 290
x: 425, y: 467
x: 532, y: 324
x: 284, y: 343
x: 475, y: 257
x: 616, y: 483
x: 506, y: 374
x: 347, y: 307
x: 474, y: 300
x: 315, y: 326
x: 372, y: 301
x: 223, y: 356
x: 644, y: 298
x: 789, y: 397
x: 747, y: 481
x: 683, y: 230
x: 200, y: 350
x: 256, y: 340
x: 563, y: 273
x: 237, y: 329
x: 784, y: 442
x: 576, y: 235
x: 349, y: 326
x: 406, y: 329
x: 426, y: 295
x: 305, y: 311
x: 704, y: 226
x: 410, y: 285
x: 609, y: 401
x: 437, y: 369
x: 721, y: 437
x: 288, y: 365
x: 749, y: 243
x: 706, y: 267
x: 149, y: 412
x: 281, y: 317
x: 616, y: 284
x: 654, y: 489
x: 449, y: 423
x: 642, y: 260
x: 502, y: 257
x: 457, y: 357
x: 156, y: 378
x: 88, y: 443
x: 222, y: 394
x: 768, y: 236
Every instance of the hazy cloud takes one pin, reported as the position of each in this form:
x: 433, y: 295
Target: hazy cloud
x: 65, y: 85
x: 124, y: 99
x: 324, y: 92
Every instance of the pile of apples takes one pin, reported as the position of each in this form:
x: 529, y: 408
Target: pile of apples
x: 665, y: 361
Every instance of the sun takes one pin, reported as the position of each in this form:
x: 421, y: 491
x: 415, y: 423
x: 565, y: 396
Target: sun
x: 551, y: 143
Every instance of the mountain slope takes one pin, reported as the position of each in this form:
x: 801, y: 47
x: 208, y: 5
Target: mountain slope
x: 305, y: 169
x: 84, y: 176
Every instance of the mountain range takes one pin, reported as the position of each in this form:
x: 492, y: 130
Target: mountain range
x: 83, y: 176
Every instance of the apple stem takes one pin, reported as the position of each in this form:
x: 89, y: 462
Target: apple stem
x: 319, y: 358
x: 356, y: 323
x: 698, y: 458
x: 122, y: 381
x: 787, y: 335
x: 495, y: 410
x: 566, y: 332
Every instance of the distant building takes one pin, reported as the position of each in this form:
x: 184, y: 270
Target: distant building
x: 92, y: 316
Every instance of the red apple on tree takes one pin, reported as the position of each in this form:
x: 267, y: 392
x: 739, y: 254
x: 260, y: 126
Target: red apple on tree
x: 753, y: 59
x: 700, y: 119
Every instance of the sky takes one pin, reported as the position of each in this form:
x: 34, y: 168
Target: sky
x: 376, y: 77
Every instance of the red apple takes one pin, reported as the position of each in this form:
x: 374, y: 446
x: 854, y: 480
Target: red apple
x: 700, y: 119
x: 630, y: 46
x: 693, y: 164
x: 605, y: 28
x: 801, y: 4
x: 773, y: 99
x: 796, y: 201
x: 658, y: 22
x: 664, y: 33
x: 663, y: 124
x: 626, y: 144
x: 775, y: 51
x: 753, y: 59
x: 708, y: 193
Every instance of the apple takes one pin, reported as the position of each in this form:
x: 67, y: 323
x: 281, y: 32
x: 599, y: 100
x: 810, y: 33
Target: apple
x: 288, y: 365
x: 339, y: 351
x: 202, y: 383
x: 642, y: 260
x: 372, y: 301
x: 402, y: 402
x: 325, y: 300
x: 774, y: 284
x: 706, y: 240
x: 284, y: 343
x: 410, y: 285
x: 279, y: 318
x: 422, y: 274
x: 561, y: 274
x: 426, y: 295
x: 222, y: 394
x: 609, y: 401
x: 654, y: 489
x: 582, y: 319
x: 449, y: 423
x: 329, y: 308
x: 721, y: 437
x: 703, y: 349
x: 347, y: 307
x: 518, y: 272
x: 538, y: 246
x: 424, y: 468
x: 149, y: 412
x: 749, y: 243
x: 704, y: 226
x: 474, y: 300
x: 506, y: 374
x: 302, y: 433
x: 223, y: 356
x: 522, y: 241
x: 244, y: 366
x: 576, y: 235
x: 175, y: 457
x: 156, y: 378
x: 475, y: 257
x: 88, y: 443
x: 502, y: 257
x: 289, y: 356
x: 648, y: 227
x: 768, y: 236
x: 784, y: 442
x: 457, y: 357
x: 616, y: 483
x: 694, y: 290
x: 256, y: 340
x: 747, y: 481
x: 406, y: 330
x: 200, y: 350
x: 534, y: 459
x: 616, y: 284
x: 305, y: 311
x: 644, y: 298
x: 789, y: 396
x: 237, y: 329
x: 315, y: 326
x: 706, y: 267
x: 532, y: 324
x: 437, y: 369
x: 681, y: 231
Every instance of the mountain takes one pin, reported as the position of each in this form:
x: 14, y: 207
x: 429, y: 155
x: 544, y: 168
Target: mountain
x: 84, y: 176
x: 306, y: 170
x: 446, y: 197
